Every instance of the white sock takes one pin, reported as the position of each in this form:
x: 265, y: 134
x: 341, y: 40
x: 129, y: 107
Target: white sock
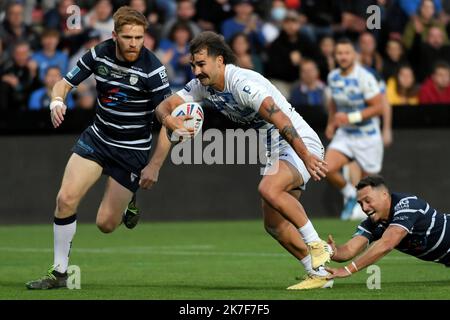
x: 306, y: 262
x: 309, y: 234
x: 320, y: 272
x: 63, y: 231
x: 349, y: 191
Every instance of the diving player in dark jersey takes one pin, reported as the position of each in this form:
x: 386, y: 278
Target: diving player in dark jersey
x: 395, y: 221
x: 131, y: 82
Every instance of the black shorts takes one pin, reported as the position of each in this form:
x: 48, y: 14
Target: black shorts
x: 121, y: 164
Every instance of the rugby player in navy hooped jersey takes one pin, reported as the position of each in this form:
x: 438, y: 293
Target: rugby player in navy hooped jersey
x: 249, y: 99
x: 131, y: 82
x: 395, y: 221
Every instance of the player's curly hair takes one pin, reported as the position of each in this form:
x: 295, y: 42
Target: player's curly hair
x: 215, y: 45
x: 127, y: 15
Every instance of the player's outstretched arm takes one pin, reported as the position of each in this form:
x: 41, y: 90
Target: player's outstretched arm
x: 390, y: 239
x: 163, y: 114
x: 57, y: 106
x: 349, y: 250
x: 149, y: 175
x: 273, y: 114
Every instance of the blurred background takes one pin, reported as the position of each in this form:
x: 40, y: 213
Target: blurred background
x: 291, y: 42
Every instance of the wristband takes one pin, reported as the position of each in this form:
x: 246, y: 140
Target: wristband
x: 56, y: 103
x: 354, y: 266
x: 354, y: 117
x: 348, y: 270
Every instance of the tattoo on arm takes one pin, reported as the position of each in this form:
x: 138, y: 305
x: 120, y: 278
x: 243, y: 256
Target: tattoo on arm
x: 289, y: 133
x: 272, y: 110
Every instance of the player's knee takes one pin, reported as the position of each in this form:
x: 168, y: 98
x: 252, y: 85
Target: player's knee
x: 106, y: 226
x: 66, y: 202
x: 269, y: 193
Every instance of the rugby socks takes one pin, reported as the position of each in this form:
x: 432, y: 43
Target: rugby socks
x: 349, y: 191
x: 308, y: 233
x: 306, y: 262
x: 320, y: 272
x: 63, y: 231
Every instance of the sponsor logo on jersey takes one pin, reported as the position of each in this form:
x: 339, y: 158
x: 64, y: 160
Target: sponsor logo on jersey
x: 404, y: 204
x: 163, y: 76
x: 133, y: 177
x: 102, y: 70
x: 133, y: 79
x: 400, y: 218
x: 73, y: 72
x: 247, y: 90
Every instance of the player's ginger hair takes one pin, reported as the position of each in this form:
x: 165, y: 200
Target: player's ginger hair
x: 127, y: 15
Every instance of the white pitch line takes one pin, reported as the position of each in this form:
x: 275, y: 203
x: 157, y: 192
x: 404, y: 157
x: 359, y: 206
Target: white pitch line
x: 166, y: 250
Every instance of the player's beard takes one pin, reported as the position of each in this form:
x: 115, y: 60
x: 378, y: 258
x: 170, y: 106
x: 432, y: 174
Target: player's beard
x: 127, y: 55
x: 346, y: 68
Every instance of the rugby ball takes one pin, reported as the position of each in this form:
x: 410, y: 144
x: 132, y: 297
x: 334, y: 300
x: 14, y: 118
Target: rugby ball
x: 187, y: 109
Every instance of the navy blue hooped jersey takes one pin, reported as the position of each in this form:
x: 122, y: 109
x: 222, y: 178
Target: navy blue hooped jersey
x: 128, y: 94
x: 428, y: 235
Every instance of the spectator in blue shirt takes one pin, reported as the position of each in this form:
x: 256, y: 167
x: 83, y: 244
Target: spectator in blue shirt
x: 310, y: 91
x: 411, y: 7
x: 176, y: 56
x: 49, y: 55
x: 246, y: 21
x: 40, y: 99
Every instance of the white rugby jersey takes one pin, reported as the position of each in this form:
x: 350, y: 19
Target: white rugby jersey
x: 241, y: 99
x: 350, y: 93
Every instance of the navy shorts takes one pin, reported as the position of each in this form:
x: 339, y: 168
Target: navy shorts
x: 121, y: 164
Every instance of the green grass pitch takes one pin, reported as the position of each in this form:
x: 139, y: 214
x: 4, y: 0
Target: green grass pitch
x: 198, y: 260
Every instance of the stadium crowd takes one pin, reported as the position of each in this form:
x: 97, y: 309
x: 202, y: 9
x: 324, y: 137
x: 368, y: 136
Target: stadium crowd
x: 291, y: 42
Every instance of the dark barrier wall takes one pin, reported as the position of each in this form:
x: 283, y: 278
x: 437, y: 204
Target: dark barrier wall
x: 32, y: 168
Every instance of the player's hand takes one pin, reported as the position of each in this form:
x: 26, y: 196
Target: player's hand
x: 176, y: 125
x: 337, y: 273
x: 340, y: 119
x: 332, y: 245
x: 317, y: 167
x: 149, y: 176
x: 57, y: 113
x: 329, y: 131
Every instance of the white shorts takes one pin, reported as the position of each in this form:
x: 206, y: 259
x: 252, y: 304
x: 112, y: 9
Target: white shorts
x: 287, y: 153
x: 366, y: 149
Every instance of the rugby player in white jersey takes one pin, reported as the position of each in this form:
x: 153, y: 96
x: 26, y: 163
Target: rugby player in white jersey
x: 249, y: 99
x: 353, y: 122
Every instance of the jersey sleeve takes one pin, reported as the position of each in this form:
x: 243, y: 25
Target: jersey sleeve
x: 159, y: 85
x: 250, y: 93
x: 364, y: 229
x: 407, y: 212
x: 370, y: 86
x: 193, y: 91
x: 82, y: 70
